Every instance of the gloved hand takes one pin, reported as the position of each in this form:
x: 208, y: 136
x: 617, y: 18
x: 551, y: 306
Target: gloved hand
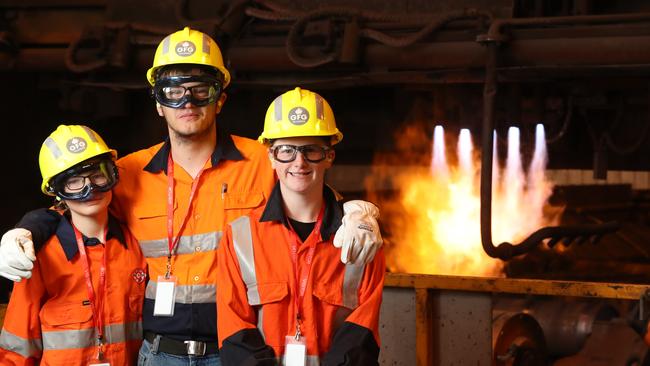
x: 358, y: 236
x: 16, y: 255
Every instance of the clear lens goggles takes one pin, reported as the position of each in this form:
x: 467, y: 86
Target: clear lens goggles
x: 171, y: 93
x: 79, y: 182
x: 288, y: 153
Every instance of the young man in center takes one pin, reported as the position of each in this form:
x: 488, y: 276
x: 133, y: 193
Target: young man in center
x: 283, y: 295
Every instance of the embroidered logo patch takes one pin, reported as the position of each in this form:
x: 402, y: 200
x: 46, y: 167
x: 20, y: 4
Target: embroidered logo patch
x: 139, y: 275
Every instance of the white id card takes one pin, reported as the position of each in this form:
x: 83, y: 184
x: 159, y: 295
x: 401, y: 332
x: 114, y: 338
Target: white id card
x: 295, y: 351
x: 165, y: 293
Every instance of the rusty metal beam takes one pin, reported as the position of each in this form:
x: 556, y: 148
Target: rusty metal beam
x: 538, y: 52
x: 620, y: 291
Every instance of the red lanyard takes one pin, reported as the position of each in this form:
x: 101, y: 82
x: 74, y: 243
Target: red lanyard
x: 171, y: 241
x: 96, y: 302
x: 301, y: 281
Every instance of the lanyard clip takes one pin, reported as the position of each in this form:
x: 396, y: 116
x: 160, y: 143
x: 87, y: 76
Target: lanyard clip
x: 298, y: 334
x: 169, y: 266
x: 100, y: 348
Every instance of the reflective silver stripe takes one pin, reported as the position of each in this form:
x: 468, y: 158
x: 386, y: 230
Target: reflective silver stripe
x: 319, y: 107
x: 278, y: 108
x: 310, y: 360
x: 53, y: 147
x: 90, y: 133
x: 22, y: 346
x: 351, y: 281
x: 118, y: 333
x: 165, y: 44
x: 340, y: 315
x: 206, y: 44
x: 260, y: 321
x: 193, y: 294
x: 186, y: 245
x: 67, y: 339
x: 243, y: 243
x: 72, y: 339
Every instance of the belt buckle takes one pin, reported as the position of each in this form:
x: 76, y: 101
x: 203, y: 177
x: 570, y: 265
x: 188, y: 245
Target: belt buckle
x: 195, y: 348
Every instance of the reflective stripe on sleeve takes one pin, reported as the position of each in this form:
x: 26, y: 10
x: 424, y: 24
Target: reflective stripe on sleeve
x: 192, y: 294
x: 22, y: 346
x: 186, y: 245
x: 351, y: 282
x: 243, y: 243
x: 83, y: 338
x: 260, y: 321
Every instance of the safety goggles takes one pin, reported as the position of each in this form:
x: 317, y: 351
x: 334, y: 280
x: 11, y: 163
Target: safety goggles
x: 288, y: 153
x: 79, y: 182
x: 171, y: 92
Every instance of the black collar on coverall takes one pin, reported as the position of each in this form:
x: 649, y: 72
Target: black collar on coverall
x: 274, y: 211
x: 225, y: 150
x: 65, y: 234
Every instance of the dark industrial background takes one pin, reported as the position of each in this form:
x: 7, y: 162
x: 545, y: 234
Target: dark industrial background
x: 580, y: 67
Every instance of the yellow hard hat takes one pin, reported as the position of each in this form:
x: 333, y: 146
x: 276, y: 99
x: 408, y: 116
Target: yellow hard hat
x: 66, y: 147
x: 188, y: 46
x: 299, y: 112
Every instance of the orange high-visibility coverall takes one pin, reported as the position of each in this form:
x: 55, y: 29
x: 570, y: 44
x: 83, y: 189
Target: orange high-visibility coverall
x: 49, y: 318
x: 257, y: 287
x: 237, y: 178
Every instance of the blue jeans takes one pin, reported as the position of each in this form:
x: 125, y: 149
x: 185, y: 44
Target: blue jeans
x: 146, y: 358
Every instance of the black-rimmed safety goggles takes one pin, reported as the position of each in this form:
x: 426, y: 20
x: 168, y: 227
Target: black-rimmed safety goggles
x: 79, y: 182
x: 288, y: 153
x: 171, y: 92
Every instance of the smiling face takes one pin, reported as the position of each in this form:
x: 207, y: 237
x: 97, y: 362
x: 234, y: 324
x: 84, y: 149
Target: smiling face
x: 300, y: 175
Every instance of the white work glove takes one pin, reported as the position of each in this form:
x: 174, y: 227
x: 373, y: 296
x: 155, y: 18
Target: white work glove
x: 17, y: 255
x: 358, y: 237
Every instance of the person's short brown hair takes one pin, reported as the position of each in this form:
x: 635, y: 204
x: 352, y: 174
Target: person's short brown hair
x: 187, y: 69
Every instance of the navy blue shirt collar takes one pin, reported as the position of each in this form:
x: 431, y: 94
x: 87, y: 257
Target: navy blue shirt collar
x: 65, y: 234
x: 225, y: 150
x: 274, y: 211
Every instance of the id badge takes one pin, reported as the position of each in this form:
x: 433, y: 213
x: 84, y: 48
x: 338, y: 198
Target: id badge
x: 295, y: 351
x: 165, y: 293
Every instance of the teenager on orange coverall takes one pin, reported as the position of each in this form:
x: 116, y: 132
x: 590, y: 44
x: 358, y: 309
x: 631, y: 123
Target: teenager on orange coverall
x: 283, y: 297
x: 83, y: 303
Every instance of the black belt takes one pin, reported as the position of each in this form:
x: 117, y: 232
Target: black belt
x: 172, y: 346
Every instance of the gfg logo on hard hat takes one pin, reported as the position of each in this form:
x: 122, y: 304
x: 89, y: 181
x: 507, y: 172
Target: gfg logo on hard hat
x: 76, y: 145
x: 298, y: 116
x: 185, y: 48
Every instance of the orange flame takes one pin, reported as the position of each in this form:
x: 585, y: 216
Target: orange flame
x: 432, y: 218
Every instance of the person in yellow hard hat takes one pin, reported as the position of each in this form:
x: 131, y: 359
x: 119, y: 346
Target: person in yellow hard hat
x: 83, y: 303
x: 277, y: 260
x: 176, y: 197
